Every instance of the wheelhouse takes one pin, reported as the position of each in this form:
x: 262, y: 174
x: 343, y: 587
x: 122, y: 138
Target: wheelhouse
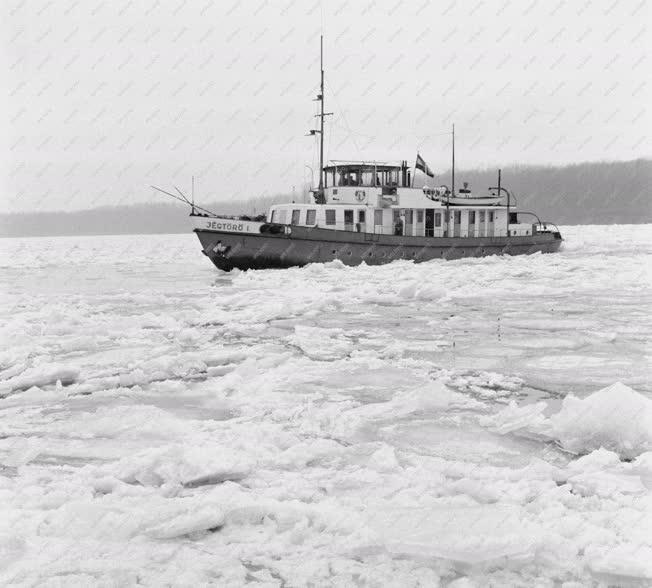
x: 367, y: 174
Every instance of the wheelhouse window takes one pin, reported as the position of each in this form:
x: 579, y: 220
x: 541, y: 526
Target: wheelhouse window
x: 471, y: 217
x: 350, y: 177
x: 419, y: 216
x: 311, y: 216
x: 361, y: 216
x: 364, y: 174
x: 378, y: 217
x: 409, y: 217
x: 282, y: 217
x: 348, y: 217
x: 491, y: 216
x: 272, y: 219
x: 330, y: 216
x: 482, y: 214
x: 457, y: 218
x: 296, y: 214
x: 438, y: 219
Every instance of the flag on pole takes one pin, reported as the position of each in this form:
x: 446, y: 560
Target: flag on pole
x: 423, y: 166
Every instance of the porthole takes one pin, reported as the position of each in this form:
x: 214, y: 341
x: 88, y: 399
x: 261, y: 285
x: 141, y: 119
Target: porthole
x: 334, y: 251
x: 349, y: 253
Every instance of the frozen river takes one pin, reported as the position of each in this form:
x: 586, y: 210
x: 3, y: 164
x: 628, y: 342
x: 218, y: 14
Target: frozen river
x: 162, y: 422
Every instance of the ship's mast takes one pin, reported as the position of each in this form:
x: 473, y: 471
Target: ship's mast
x: 321, y: 115
x: 453, y: 165
x: 448, y: 214
x: 319, y: 196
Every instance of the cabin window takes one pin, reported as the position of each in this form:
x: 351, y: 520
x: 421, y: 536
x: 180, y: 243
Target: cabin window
x: 482, y: 216
x: 348, y: 217
x: 471, y: 217
x: 295, y: 216
x: 311, y: 216
x: 378, y: 217
x: 396, y: 215
x: 419, y: 216
x: 330, y: 217
x: 351, y: 177
x: 273, y: 217
x: 457, y: 218
x: 361, y: 216
x: 409, y: 217
x: 438, y: 219
x: 447, y: 216
x: 334, y: 191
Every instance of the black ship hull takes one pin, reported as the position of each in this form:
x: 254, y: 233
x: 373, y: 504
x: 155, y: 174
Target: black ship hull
x: 298, y: 246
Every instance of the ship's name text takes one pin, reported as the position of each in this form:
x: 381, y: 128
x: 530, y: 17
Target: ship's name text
x: 227, y: 226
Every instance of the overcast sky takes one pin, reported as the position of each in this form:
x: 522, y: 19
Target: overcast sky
x: 108, y: 97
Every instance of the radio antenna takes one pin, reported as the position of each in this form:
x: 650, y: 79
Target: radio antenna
x: 183, y: 199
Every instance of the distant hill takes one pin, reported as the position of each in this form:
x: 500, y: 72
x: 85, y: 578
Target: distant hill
x: 145, y: 218
x: 584, y: 193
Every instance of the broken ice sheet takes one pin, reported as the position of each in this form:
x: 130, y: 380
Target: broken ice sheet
x: 471, y: 539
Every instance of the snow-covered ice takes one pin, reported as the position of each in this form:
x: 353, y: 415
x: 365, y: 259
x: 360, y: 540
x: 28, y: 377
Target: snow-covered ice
x: 467, y: 423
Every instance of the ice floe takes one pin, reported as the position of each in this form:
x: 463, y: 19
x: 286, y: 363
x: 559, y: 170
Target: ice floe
x: 617, y: 418
x: 188, y: 465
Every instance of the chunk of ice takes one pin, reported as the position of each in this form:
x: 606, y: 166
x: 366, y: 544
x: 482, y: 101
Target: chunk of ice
x: 40, y: 376
x: 469, y: 538
x: 513, y: 418
x: 190, y: 466
x: 616, y: 418
x: 203, y: 519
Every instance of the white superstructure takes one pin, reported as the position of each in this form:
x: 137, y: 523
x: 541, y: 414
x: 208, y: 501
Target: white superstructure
x: 380, y: 199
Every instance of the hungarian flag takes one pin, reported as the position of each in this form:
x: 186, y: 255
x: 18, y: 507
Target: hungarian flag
x: 423, y: 166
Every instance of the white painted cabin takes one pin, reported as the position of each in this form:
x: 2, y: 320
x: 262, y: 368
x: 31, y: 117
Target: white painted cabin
x: 393, y: 207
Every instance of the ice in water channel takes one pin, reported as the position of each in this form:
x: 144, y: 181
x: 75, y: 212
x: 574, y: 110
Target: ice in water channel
x: 461, y: 423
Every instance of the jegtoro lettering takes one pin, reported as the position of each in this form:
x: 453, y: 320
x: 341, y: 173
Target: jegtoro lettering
x: 225, y: 226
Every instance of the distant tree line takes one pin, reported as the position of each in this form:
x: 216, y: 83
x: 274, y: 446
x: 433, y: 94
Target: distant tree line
x: 584, y: 193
